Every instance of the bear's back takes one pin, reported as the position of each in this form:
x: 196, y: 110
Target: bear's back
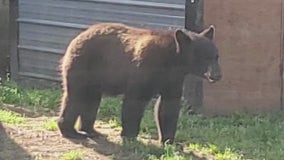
x: 113, y: 52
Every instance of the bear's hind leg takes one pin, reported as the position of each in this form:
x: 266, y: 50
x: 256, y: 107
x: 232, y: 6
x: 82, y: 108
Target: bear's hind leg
x: 88, y: 114
x: 68, y: 117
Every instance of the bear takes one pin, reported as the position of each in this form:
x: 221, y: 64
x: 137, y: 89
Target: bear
x: 109, y: 59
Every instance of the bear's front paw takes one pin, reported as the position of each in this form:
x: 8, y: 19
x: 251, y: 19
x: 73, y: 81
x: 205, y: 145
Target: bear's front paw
x: 74, y: 135
x: 91, y: 134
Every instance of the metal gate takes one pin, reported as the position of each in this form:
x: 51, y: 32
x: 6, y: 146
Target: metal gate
x: 45, y: 27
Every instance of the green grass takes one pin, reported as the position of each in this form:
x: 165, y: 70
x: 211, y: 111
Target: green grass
x: 241, y: 135
x: 73, y: 155
x: 11, y: 93
x: 218, y: 154
x: 236, y: 137
x: 110, y: 108
x: 138, y: 150
x: 11, y: 117
x: 50, y: 126
x: 147, y: 151
x: 170, y: 153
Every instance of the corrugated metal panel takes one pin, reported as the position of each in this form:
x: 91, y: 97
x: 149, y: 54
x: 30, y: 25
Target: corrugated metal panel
x: 47, y: 26
x: 165, y: 1
x: 33, y: 64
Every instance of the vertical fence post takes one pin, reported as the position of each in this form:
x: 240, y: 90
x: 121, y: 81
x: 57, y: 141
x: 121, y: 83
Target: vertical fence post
x: 14, y: 59
x: 4, y: 37
x: 194, y: 15
x: 193, y: 86
x: 282, y: 58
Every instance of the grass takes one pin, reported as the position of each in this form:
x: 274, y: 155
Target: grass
x: 11, y: 117
x: 110, y: 108
x: 170, y: 153
x: 245, y: 136
x: 218, y: 154
x: 239, y: 136
x: 11, y: 93
x: 73, y: 155
x: 50, y: 126
x: 135, y: 150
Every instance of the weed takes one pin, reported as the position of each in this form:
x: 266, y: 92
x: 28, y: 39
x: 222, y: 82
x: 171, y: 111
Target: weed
x: 50, y: 126
x: 213, y: 150
x: 11, y: 93
x: 73, y: 155
x: 11, y: 117
x: 170, y: 153
x: 114, y: 123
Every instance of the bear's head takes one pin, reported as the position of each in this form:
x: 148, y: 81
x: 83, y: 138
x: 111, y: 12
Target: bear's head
x: 198, y: 53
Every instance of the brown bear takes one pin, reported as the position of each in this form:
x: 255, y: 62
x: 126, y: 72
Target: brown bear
x: 112, y: 59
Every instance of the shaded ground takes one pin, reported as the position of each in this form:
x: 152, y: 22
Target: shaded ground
x: 28, y: 142
x: 31, y: 141
x: 9, y: 149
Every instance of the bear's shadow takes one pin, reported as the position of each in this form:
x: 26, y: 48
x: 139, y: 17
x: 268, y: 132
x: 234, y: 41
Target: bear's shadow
x: 118, y: 151
x: 10, y: 149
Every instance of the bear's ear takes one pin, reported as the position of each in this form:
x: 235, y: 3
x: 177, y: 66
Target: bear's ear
x: 180, y: 38
x: 209, y: 32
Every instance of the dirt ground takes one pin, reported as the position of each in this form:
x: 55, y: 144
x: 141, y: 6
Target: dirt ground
x: 26, y: 142
x: 29, y: 141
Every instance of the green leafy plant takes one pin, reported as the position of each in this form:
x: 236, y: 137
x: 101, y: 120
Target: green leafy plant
x: 11, y: 93
x: 11, y: 117
x: 73, y: 155
x: 50, y: 126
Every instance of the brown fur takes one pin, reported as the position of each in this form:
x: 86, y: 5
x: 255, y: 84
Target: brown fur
x: 116, y: 59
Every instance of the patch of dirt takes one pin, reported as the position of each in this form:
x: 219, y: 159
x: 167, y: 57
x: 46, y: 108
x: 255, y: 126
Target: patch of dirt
x: 27, y: 142
x: 30, y: 141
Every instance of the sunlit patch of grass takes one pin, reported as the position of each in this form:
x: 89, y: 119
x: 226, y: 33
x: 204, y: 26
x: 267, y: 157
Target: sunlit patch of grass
x: 170, y: 153
x: 239, y: 136
x: 50, y: 125
x: 73, y: 155
x: 11, y: 117
x: 213, y: 150
x: 113, y: 123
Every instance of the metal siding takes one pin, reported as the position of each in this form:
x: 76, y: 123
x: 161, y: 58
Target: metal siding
x: 39, y: 63
x: 45, y: 36
x: 81, y: 12
x: 47, y: 26
x: 165, y: 1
